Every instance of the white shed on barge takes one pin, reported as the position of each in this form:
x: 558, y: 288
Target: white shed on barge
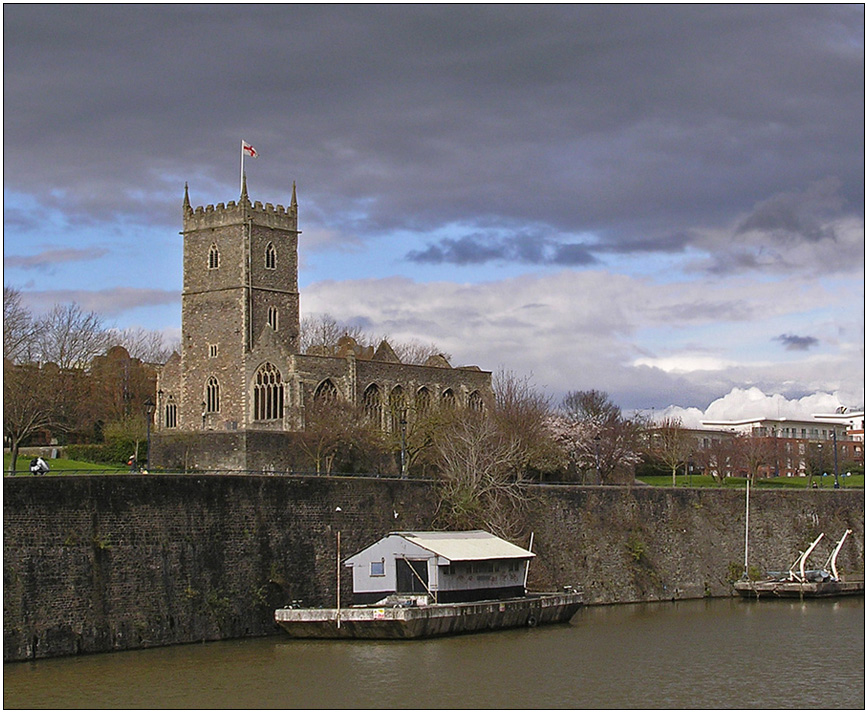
x: 447, y: 566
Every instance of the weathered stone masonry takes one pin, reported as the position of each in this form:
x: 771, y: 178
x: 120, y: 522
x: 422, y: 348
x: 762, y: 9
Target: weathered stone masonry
x: 239, y: 370
x: 103, y: 563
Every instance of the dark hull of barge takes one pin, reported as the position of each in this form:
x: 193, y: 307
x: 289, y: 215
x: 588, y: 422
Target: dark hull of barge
x: 430, y: 620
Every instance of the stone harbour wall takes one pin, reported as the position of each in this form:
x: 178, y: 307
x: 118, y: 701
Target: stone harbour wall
x: 104, y: 563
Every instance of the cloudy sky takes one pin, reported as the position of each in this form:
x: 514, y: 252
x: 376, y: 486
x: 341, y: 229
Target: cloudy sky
x: 665, y: 203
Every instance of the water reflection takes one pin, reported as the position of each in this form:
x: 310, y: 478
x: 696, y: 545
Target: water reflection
x: 698, y: 654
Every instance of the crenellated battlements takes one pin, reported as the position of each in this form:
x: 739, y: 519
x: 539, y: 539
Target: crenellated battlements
x: 232, y: 213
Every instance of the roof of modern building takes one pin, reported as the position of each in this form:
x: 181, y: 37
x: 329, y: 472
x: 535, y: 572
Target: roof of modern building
x: 466, y: 545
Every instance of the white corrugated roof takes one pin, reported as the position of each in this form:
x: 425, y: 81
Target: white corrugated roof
x: 469, y: 545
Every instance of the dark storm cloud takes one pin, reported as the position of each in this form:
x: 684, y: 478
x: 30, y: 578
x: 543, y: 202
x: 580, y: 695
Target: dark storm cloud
x: 796, y: 343
x: 524, y: 249
x: 797, y: 216
x: 633, y: 122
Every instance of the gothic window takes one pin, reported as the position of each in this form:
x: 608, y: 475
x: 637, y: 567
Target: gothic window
x: 213, y: 258
x: 397, y: 407
x: 270, y: 257
x: 267, y: 394
x: 326, y: 392
x: 212, y: 350
x: 373, y: 404
x: 449, y: 399
x: 171, y: 413
x: 212, y: 395
x: 272, y: 318
x: 423, y: 401
x: 474, y: 401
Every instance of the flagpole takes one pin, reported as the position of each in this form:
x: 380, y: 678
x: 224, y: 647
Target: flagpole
x: 241, y: 182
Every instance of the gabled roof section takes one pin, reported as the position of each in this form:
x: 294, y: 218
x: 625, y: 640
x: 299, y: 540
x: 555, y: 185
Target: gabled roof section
x: 465, y: 546
x: 386, y: 353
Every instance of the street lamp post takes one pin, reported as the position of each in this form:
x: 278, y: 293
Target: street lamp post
x: 835, y: 446
x: 149, y: 408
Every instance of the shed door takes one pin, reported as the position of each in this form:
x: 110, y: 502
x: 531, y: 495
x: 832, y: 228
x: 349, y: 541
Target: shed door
x: 408, y: 579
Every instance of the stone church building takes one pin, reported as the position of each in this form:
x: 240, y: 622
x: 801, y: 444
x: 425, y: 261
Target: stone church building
x: 240, y: 387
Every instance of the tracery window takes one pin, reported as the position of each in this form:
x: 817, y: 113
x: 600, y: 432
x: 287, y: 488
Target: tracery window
x: 423, y: 401
x: 373, y: 404
x: 474, y: 401
x: 212, y: 395
x: 449, y: 399
x: 272, y: 318
x: 171, y: 413
x: 213, y: 257
x: 397, y: 408
x: 326, y: 392
x: 267, y: 393
x: 270, y: 257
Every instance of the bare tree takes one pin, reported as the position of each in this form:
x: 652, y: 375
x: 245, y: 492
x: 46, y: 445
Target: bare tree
x: 28, y: 406
x: 521, y: 413
x: 671, y: 443
x: 324, y: 335
x: 753, y: 453
x: 481, y: 481
x: 19, y: 330
x: 324, y: 332
x: 415, y: 352
x: 70, y: 337
x: 148, y: 345
x: 335, y: 430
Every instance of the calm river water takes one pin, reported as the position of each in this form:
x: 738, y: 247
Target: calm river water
x: 692, y: 654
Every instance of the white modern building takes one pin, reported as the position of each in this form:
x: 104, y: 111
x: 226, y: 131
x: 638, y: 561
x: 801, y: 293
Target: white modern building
x: 445, y: 566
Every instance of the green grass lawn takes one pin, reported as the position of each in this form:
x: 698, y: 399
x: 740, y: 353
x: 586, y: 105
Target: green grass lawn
x: 706, y: 481
x: 63, y: 466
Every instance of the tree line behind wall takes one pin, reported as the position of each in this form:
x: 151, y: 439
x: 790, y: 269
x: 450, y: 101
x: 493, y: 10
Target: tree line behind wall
x: 67, y: 378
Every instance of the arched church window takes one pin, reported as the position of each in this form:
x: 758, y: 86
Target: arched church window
x: 373, y: 402
x: 213, y: 257
x: 212, y: 395
x: 272, y: 318
x: 449, y: 399
x: 267, y: 393
x: 270, y: 257
x: 171, y: 413
x: 397, y: 408
x: 474, y: 401
x: 423, y: 401
x: 326, y: 392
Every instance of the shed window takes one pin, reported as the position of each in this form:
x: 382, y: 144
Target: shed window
x: 378, y: 569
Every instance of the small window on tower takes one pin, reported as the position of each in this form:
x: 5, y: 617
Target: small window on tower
x: 212, y: 350
x: 270, y: 257
x: 213, y: 258
x: 272, y: 318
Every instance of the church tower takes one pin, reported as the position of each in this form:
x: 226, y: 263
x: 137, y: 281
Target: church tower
x: 240, y: 293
